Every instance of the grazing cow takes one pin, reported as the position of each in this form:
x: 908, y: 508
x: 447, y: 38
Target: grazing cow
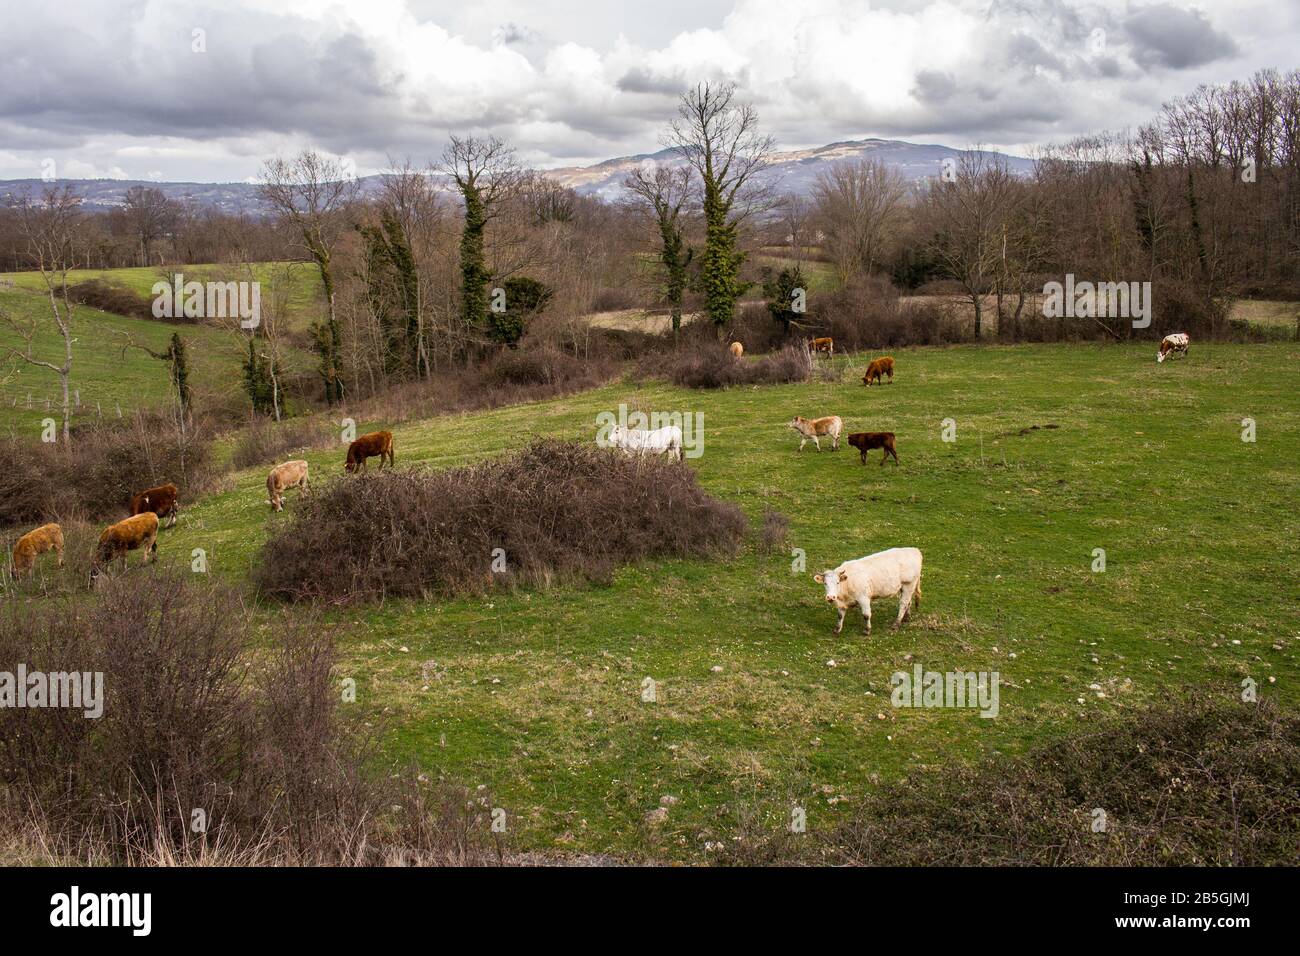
x: 161, y: 501
x: 129, y: 534
x: 825, y: 344
x: 48, y: 537
x: 368, y: 446
x: 1174, y: 342
x: 661, y: 441
x: 888, y: 573
x: 814, y: 428
x: 879, y: 367
x: 865, y: 441
x: 737, y: 349
x: 291, y: 474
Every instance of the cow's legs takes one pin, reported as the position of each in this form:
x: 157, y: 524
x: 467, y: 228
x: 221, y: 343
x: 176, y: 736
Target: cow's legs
x: 817, y: 443
x: 802, y: 442
x: 905, y: 603
x: 866, y: 612
x: 835, y: 443
x: 839, y: 625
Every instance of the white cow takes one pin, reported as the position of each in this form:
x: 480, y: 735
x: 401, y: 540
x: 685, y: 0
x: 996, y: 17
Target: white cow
x: 886, y: 574
x: 636, y: 441
x: 1174, y: 342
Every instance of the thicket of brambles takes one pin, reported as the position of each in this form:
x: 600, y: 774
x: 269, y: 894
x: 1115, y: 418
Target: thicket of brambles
x: 553, y: 512
x: 211, y: 748
x: 430, y: 271
x: 1195, y: 781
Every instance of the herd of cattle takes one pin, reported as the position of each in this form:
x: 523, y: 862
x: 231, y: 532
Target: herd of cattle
x: 892, y: 573
x: 139, y: 532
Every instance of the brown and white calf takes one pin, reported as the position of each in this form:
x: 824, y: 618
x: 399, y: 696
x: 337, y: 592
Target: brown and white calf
x: 881, y: 575
x: 162, y: 501
x: 1174, y: 342
x: 816, y: 428
x: 879, y: 367
x: 825, y: 344
x: 290, y: 474
x: 865, y: 441
x: 368, y: 446
x: 48, y: 537
x: 130, y: 534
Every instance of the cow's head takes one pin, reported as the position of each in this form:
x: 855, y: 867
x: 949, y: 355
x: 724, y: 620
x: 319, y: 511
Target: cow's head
x: 794, y: 423
x: 831, y: 580
x: 350, y: 465
x: 1160, y: 356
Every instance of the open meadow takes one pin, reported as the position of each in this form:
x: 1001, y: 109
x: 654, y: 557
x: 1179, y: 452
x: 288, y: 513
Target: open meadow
x: 1058, y: 450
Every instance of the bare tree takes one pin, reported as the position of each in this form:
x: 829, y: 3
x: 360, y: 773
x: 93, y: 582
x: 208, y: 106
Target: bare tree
x: 859, y: 206
x: 662, y: 191
x: 49, y: 228
x: 966, y: 215
x: 720, y: 139
x: 150, y: 216
x: 311, y: 193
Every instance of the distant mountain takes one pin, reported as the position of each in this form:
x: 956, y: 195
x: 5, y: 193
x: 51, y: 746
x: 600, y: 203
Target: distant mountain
x: 795, y: 171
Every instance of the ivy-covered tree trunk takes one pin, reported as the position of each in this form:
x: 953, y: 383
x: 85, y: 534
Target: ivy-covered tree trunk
x: 180, y: 372
x: 326, y: 339
x: 676, y: 258
x: 473, y: 263
x: 720, y: 264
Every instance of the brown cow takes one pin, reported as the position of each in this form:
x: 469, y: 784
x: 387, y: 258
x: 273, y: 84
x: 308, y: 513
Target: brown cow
x: 129, y: 534
x: 825, y: 344
x: 879, y: 367
x: 865, y: 441
x: 48, y: 537
x: 368, y: 446
x: 291, y: 474
x: 736, y: 349
x: 161, y: 501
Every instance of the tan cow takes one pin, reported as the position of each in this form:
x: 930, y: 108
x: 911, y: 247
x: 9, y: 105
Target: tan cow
x: 815, y: 428
x: 48, y: 537
x: 737, y: 350
x: 290, y: 474
x: 130, y: 534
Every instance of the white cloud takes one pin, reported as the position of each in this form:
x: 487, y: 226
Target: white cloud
x: 113, y: 85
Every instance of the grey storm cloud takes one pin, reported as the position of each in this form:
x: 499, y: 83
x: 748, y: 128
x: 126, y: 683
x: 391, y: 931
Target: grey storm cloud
x: 1176, y: 38
x: 111, y: 81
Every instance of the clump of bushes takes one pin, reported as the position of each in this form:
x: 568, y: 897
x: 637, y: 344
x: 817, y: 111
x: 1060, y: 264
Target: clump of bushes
x: 95, y: 476
x: 1195, y: 782
x: 264, y: 442
x: 712, y: 366
x: 194, y: 728
x: 107, y: 297
x: 556, y: 510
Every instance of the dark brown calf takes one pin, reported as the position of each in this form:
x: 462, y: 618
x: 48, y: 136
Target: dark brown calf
x: 162, y: 501
x: 865, y: 441
x: 369, y: 446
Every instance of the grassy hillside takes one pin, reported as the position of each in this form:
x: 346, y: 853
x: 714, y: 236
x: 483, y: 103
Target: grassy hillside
x: 301, y: 283
x: 760, y: 707
x: 102, y: 371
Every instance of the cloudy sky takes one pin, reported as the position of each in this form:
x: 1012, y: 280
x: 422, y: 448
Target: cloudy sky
x: 179, y: 90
